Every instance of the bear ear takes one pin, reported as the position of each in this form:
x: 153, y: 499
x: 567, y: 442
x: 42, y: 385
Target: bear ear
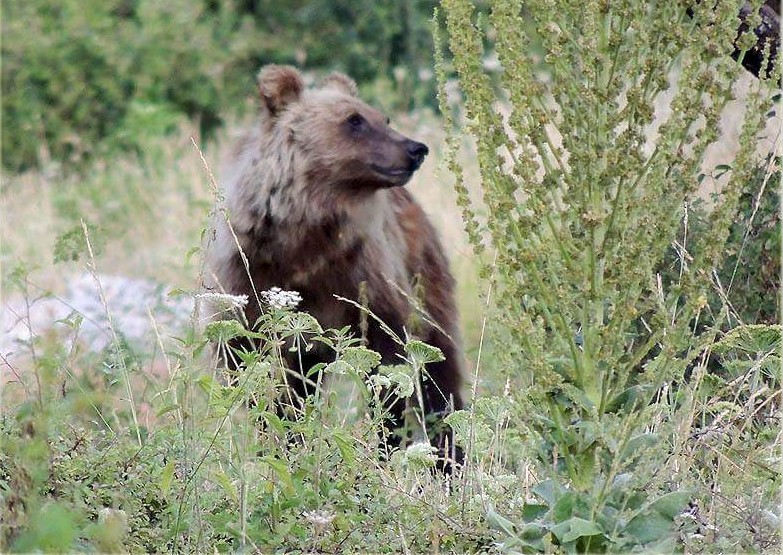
x: 340, y: 82
x: 279, y: 86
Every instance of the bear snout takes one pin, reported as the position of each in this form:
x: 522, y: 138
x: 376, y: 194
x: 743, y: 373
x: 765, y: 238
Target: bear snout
x: 416, y: 152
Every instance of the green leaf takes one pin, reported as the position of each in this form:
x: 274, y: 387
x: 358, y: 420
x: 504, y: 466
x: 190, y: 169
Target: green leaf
x: 273, y: 421
x: 166, y: 409
x: 671, y: 504
x: 207, y: 384
x: 223, y: 331
x: 575, y: 528
x: 638, y: 443
x: 51, y: 529
x: 338, y: 367
x: 361, y: 358
x: 166, y: 478
x: 655, y: 521
x: 72, y: 244
x: 628, y: 399
x: 751, y: 339
x: 280, y: 468
x: 345, y: 446
x: 547, y: 490
x: 533, y: 511
x: 420, y: 353
x: 316, y: 368
x: 301, y: 322
x: 404, y: 383
x: 563, y: 509
x: 499, y: 522
x: 225, y: 483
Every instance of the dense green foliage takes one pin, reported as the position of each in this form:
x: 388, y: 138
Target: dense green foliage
x: 212, y: 467
x: 751, y: 269
x: 579, y: 207
x: 80, y: 77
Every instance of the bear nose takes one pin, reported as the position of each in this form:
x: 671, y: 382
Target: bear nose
x: 416, y: 152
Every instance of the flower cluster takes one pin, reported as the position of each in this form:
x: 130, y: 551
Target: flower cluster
x: 278, y: 298
x: 223, y: 301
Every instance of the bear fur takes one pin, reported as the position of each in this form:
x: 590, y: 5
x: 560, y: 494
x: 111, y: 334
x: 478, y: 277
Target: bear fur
x: 316, y: 201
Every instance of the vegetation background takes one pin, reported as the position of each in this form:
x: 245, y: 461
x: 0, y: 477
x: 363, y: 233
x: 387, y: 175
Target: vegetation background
x: 117, y: 434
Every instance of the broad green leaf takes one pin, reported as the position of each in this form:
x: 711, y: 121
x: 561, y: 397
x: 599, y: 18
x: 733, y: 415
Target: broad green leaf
x: 166, y: 477
x: 459, y: 422
x: 345, y: 446
x: 640, y: 442
x: 671, y: 504
x: 223, y: 331
x: 533, y: 511
x: 338, y: 367
x: 499, y: 522
x: 575, y: 528
x: 655, y: 520
x: 563, y: 509
x: 301, y: 322
x: 404, y: 383
x: 420, y: 353
x: 547, y: 490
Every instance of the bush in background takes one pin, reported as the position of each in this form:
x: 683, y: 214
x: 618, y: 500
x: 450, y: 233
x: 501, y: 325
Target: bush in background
x: 81, y: 77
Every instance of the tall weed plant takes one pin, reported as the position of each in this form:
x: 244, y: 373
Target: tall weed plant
x: 585, y: 186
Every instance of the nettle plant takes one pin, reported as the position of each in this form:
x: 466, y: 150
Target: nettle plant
x: 584, y: 187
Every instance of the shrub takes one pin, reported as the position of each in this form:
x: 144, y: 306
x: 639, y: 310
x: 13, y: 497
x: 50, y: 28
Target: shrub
x: 581, y: 203
x: 101, y: 453
x: 96, y: 76
x: 72, y: 70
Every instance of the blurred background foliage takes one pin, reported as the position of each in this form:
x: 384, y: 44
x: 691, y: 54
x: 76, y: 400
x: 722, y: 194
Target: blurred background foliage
x: 87, y: 77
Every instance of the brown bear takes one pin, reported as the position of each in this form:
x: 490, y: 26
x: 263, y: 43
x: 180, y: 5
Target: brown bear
x: 315, y: 201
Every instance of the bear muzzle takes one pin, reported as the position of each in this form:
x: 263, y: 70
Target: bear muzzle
x: 416, y: 153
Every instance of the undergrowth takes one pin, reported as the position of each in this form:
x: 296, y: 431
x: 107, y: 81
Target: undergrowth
x: 626, y: 381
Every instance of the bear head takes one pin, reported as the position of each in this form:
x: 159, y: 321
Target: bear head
x: 342, y: 141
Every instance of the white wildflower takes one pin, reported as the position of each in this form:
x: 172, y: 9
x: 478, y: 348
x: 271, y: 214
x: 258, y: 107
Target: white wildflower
x: 107, y: 515
x: 114, y: 522
x: 425, y: 74
x: 223, y: 301
x: 277, y: 298
x: 319, y: 519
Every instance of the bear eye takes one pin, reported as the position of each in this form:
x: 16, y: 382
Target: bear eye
x: 355, y: 121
